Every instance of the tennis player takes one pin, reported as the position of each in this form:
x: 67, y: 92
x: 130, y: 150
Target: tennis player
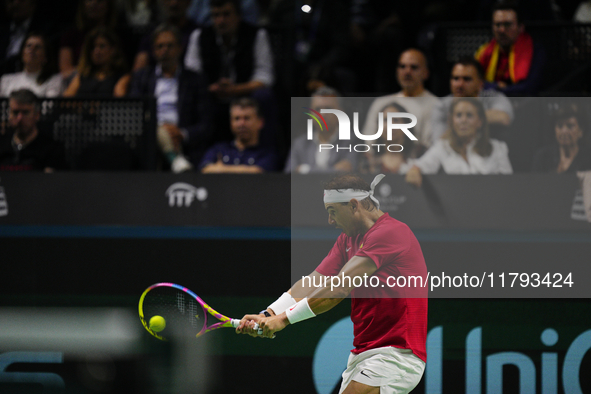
x: 390, y: 322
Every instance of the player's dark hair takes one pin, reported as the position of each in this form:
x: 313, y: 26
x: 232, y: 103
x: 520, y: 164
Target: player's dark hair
x: 506, y: 5
x: 221, y: 3
x: 351, y: 181
x: 247, y: 102
x: 471, y: 61
x: 25, y: 96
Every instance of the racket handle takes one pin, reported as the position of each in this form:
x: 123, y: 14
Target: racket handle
x: 236, y: 323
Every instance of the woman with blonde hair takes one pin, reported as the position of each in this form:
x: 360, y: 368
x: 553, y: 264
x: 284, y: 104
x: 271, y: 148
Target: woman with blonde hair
x: 102, y: 71
x: 465, y: 148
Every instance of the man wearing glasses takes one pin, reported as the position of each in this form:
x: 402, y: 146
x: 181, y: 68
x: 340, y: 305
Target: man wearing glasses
x: 512, y: 60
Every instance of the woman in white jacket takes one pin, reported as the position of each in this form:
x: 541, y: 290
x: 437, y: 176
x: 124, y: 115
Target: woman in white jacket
x: 465, y: 148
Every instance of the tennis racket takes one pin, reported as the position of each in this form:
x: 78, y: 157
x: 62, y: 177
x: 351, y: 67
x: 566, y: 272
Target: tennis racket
x: 182, y: 311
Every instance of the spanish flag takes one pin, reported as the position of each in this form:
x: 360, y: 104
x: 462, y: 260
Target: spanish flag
x: 520, y: 57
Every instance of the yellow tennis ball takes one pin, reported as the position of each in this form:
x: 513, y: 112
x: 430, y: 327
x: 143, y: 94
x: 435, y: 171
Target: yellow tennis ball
x: 157, y: 323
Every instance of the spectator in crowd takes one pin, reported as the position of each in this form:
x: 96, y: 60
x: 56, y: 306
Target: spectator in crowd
x: 235, y: 58
x: 394, y: 154
x: 467, y: 80
x: 412, y: 72
x: 90, y: 15
x: 24, y: 147
x: 377, y: 37
x: 512, y: 60
x: 569, y: 153
x: 465, y: 148
x: 315, y: 48
x: 22, y: 18
x: 181, y: 105
x: 39, y: 70
x: 174, y: 12
x: 243, y: 155
x: 305, y: 155
x: 102, y: 70
x: 199, y: 12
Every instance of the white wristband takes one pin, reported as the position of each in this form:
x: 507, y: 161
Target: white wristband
x: 300, y: 311
x: 282, y: 303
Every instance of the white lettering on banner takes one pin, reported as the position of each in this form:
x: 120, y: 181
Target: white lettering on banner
x: 345, y: 125
x: 394, y: 148
x: 183, y: 194
x: 495, y: 362
x: 330, y: 358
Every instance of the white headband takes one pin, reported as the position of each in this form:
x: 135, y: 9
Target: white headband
x: 346, y: 195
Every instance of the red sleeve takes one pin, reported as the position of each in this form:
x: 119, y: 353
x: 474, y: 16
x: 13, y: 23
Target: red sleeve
x: 385, y: 244
x: 335, y: 260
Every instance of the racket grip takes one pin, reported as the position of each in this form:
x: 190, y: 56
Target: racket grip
x: 236, y: 323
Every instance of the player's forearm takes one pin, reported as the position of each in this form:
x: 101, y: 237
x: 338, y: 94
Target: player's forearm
x: 321, y: 305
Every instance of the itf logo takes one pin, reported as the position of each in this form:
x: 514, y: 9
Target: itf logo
x: 183, y: 194
x: 345, y: 129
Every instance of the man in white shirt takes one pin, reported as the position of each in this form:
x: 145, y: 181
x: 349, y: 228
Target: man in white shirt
x: 412, y: 72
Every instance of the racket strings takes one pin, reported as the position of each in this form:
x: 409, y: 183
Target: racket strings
x: 179, y: 309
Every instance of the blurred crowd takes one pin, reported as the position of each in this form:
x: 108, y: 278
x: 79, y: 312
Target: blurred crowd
x: 222, y: 73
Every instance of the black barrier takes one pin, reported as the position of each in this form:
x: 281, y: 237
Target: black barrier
x: 520, y: 202
x: 105, y: 134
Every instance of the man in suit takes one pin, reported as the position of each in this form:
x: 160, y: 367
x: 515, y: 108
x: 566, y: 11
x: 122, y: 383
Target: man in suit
x: 23, y: 18
x: 181, y: 102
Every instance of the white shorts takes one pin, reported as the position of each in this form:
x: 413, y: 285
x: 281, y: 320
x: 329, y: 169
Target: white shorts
x: 393, y: 370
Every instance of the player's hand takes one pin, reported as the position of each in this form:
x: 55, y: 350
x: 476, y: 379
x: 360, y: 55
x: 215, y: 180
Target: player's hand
x: 247, y: 325
x: 273, y: 324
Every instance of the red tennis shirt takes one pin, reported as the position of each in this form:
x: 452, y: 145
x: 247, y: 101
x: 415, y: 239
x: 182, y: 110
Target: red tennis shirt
x: 392, y: 309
